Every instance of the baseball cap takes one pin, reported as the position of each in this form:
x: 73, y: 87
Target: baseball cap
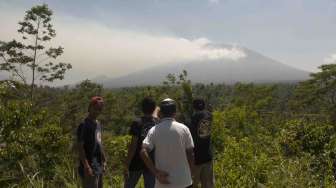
x: 96, y: 101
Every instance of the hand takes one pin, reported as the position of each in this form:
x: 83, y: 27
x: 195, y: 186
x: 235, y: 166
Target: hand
x: 88, y: 171
x: 162, y: 176
x: 156, y: 112
x: 192, y: 170
x: 104, y: 166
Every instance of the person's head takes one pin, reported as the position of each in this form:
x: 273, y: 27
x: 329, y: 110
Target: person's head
x: 148, y: 106
x: 168, y: 108
x: 199, y: 104
x: 96, y: 106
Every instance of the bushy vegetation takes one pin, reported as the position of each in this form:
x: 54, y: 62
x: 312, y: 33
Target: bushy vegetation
x: 261, y: 136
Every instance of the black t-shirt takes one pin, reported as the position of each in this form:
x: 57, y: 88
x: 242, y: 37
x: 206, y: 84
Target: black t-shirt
x: 89, y: 133
x: 200, y: 129
x: 139, y: 129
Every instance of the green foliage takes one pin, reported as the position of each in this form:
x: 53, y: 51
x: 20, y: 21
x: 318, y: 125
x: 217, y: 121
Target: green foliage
x: 180, y: 89
x: 32, y: 53
x: 240, y: 165
x: 116, y: 148
x: 255, y: 97
x: 31, y: 144
x: 318, y: 93
x: 307, y: 137
x: 259, y: 138
x: 241, y: 121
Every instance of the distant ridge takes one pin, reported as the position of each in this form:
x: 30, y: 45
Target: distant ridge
x: 253, y: 68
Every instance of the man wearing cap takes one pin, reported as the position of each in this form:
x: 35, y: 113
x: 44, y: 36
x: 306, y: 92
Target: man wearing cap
x: 200, y: 129
x: 91, y: 152
x: 173, y: 150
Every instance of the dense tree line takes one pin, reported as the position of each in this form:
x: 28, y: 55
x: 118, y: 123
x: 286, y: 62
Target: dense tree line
x: 270, y: 135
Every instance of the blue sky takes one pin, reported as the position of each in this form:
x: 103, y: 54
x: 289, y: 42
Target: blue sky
x: 301, y: 33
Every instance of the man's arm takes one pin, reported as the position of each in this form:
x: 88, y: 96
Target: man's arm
x: 103, y: 154
x: 189, y: 145
x: 162, y: 176
x: 148, y: 145
x: 191, y: 159
x: 147, y: 160
x: 131, y: 150
x: 130, y: 153
x: 104, y: 159
x: 135, y: 131
x: 87, y: 169
x: 81, y: 134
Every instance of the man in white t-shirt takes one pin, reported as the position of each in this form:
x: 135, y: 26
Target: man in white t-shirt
x: 173, y: 150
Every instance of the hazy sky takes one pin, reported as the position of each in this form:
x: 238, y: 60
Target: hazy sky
x: 116, y: 37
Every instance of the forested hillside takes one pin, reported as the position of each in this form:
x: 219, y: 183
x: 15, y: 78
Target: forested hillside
x: 275, y: 135
x: 263, y: 135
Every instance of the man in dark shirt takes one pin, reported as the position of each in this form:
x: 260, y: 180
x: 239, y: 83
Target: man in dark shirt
x: 91, y: 153
x: 200, y: 129
x: 134, y: 166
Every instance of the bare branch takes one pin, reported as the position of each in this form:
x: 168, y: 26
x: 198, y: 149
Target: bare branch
x: 20, y: 76
x: 4, y: 58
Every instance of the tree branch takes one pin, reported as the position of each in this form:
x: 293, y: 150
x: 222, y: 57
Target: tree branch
x: 15, y: 71
x: 4, y: 58
x: 20, y: 76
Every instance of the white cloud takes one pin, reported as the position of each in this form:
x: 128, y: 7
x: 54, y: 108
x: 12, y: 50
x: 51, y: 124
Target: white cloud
x: 330, y: 59
x: 205, y: 51
x: 94, y: 49
x: 120, y: 50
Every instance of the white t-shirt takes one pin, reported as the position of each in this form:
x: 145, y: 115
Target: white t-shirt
x: 170, y: 140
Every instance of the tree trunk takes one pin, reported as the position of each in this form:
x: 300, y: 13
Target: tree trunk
x: 34, y: 62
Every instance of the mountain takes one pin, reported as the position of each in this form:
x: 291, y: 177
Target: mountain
x: 254, y: 67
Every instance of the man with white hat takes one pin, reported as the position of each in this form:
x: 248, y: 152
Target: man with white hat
x: 173, y: 150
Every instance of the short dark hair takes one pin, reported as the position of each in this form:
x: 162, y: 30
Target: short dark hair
x: 199, y: 104
x: 148, y: 105
x: 168, y: 107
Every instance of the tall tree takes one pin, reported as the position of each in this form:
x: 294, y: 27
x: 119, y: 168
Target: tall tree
x: 318, y: 94
x: 184, y: 95
x: 33, y: 59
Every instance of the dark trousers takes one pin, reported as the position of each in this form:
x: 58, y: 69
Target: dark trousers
x: 92, y: 181
x: 134, y: 177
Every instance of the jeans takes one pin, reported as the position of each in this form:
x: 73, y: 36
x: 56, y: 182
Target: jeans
x: 95, y: 181
x: 134, y: 177
x: 203, y: 174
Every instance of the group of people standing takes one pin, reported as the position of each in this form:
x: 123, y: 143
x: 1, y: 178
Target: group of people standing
x: 168, y: 154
